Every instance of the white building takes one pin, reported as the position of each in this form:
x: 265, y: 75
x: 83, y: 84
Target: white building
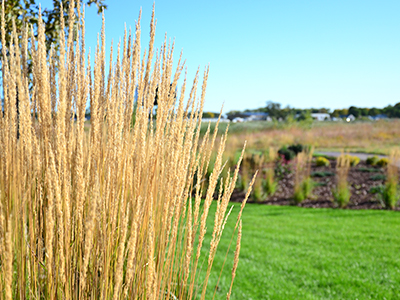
x: 321, y: 116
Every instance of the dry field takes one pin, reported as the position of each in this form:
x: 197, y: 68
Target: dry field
x: 370, y: 137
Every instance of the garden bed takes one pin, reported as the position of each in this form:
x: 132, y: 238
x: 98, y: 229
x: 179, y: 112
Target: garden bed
x: 361, y: 178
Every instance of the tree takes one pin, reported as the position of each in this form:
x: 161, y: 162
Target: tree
x: 373, y: 112
x: 273, y: 109
x: 26, y: 12
x: 355, y: 111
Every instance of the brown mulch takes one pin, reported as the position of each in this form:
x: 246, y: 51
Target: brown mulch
x: 359, y: 180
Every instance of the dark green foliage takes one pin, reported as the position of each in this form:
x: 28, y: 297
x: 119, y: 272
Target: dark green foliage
x: 378, y: 189
x: 286, y: 153
x: 378, y: 177
x: 296, y: 148
x: 322, y: 174
x: 368, y: 170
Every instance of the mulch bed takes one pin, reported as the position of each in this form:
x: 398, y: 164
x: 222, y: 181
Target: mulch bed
x: 359, y: 178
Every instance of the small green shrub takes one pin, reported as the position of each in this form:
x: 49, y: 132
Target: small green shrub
x: 287, y: 153
x: 383, y: 162
x: 378, y: 189
x: 257, y: 190
x: 303, y: 190
x: 298, y: 194
x: 368, y: 170
x: 322, y: 162
x: 296, y: 148
x: 372, y: 160
x: 378, y: 177
x: 322, y: 174
x: 390, y: 194
x: 342, y: 195
x: 308, y: 185
x: 269, y: 184
x: 354, y: 160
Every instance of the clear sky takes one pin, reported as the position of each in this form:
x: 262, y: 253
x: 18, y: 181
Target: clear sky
x: 299, y: 53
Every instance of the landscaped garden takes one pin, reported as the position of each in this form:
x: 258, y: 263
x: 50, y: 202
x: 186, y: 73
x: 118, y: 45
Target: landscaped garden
x: 295, y: 175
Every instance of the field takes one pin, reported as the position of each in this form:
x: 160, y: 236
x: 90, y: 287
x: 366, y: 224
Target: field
x: 303, y: 253
x: 369, y: 137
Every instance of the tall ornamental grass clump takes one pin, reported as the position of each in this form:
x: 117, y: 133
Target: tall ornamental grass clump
x: 341, y: 193
x: 106, y: 214
x: 390, y: 193
x: 303, y: 184
x: 270, y: 183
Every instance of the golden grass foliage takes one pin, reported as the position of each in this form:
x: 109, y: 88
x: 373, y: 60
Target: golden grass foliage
x: 108, y: 213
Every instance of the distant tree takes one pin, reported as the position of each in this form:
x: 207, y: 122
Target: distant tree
x: 335, y: 114
x: 324, y: 110
x: 273, y: 109
x: 373, y: 112
x: 364, y: 111
x: 389, y: 111
x: 355, y: 111
x: 207, y: 114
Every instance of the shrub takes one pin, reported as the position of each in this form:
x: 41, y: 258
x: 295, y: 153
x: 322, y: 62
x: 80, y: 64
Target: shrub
x: 322, y: 162
x: 296, y: 148
x: 354, y: 160
x: 287, y: 154
x: 372, y: 160
x: 383, y: 162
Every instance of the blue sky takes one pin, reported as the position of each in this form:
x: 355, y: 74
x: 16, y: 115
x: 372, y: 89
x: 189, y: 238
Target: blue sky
x: 299, y: 53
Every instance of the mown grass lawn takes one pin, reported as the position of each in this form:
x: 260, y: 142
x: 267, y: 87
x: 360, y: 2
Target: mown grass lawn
x: 299, y: 253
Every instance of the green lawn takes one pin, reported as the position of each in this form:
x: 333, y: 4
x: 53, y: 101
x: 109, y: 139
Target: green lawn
x: 298, y: 253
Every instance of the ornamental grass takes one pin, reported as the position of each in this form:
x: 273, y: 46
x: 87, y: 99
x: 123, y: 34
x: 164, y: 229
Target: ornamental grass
x: 115, y: 212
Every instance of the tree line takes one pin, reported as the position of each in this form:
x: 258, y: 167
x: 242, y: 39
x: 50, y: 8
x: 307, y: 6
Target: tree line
x: 276, y: 111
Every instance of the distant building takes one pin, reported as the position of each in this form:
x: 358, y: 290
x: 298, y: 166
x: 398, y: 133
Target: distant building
x: 214, y: 120
x: 378, y: 117
x: 321, y: 116
x: 249, y: 116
